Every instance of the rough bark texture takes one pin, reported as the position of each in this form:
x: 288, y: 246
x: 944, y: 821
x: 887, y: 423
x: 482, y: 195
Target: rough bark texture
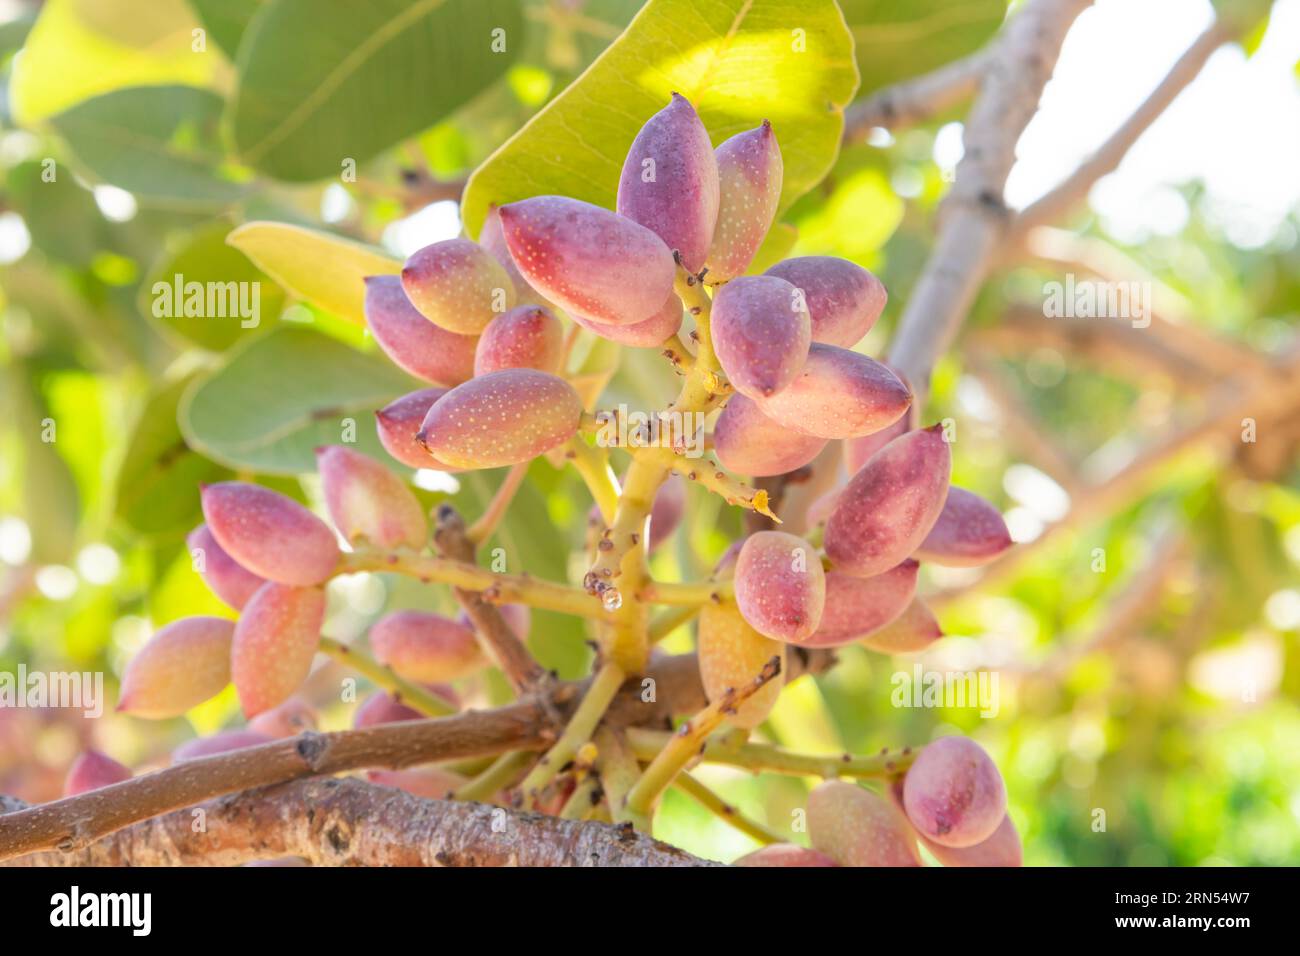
x: 76, y: 822
x: 332, y: 822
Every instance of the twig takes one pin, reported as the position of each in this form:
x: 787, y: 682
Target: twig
x: 495, y: 588
x: 592, y: 465
x: 577, y: 732
x: 686, y: 743
x: 618, y: 769
x: 349, y: 822
x: 916, y: 100
x: 421, y: 699
x: 721, y: 749
x: 711, y: 476
x: 499, y: 775
x: 725, y: 811
x: 671, y: 620
x: 499, y: 640
x: 585, y: 795
x: 487, y: 522
x: 75, y: 822
x: 690, y: 593
x: 1058, y: 202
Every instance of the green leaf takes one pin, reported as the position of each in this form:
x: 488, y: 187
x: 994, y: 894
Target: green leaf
x: 896, y: 40
x: 226, y: 20
x: 82, y: 48
x: 284, y: 394
x: 13, y: 33
x: 324, y: 81
x: 158, y: 142
x: 62, y: 218
x: 51, y: 502
x: 1243, y: 16
x: 157, y: 483
x: 778, y: 242
x: 316, y: 266
x: 738, y: 61
x: 206, y: 258
x: 178, y: 591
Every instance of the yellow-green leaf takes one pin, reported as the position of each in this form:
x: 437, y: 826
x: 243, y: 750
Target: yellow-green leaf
x: 898, y: 39
x: 738, y: 61
x: 82, y: 48
x: 323, y: 269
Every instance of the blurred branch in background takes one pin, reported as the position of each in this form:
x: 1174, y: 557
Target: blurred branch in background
x: 1230, y: 407
x: 1023, y: 431
x: 1137, y: 601
x: 915, y: 101
x: 974, y: 217
x: 1074, y: 189
x: 1180, y: 333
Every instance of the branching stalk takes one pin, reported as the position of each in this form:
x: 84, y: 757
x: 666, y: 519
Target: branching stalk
x: 499, y: 775
x: 482, y: 529
x: 767, y: 758
x: 685, y: 744
x: 496, y: 588
x: 724, y: 811
x: 578, y: 731
x: 413, y: 695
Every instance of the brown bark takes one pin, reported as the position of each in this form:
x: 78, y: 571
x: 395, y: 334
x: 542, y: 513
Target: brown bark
x: 76, y: 822
x: 501, y: 643
x: 333, y: 822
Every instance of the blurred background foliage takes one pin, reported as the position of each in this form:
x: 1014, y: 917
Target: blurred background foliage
x: 1157, y: 683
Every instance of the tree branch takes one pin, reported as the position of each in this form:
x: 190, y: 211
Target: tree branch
x: 1021, y: 426
x: 332, y: 822
x: 916, y: 100
x: 974, y: 216
x: 1112, y: 344
x: 1174, y: 325
x: 75, y: 822
x: 1058, y: 202
x: 502, y: 644
x: 1229, y: 404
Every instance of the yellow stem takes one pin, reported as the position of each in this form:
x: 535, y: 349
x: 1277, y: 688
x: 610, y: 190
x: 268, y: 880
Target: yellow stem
x: 669, y: 621
x: 593, y: 465
x: 723, y: 749
x: 618, y: 769
x: 413, y: 695
x: 496, y: 588
x: 710, y: 474
x: 498, y: 775
x: 482, y: 529
x: 679, y: 353
x: 580, y: 801
x: 725, y: 811
x: 684, y: 745
x: 581, y: 726
x: 693, y: 593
